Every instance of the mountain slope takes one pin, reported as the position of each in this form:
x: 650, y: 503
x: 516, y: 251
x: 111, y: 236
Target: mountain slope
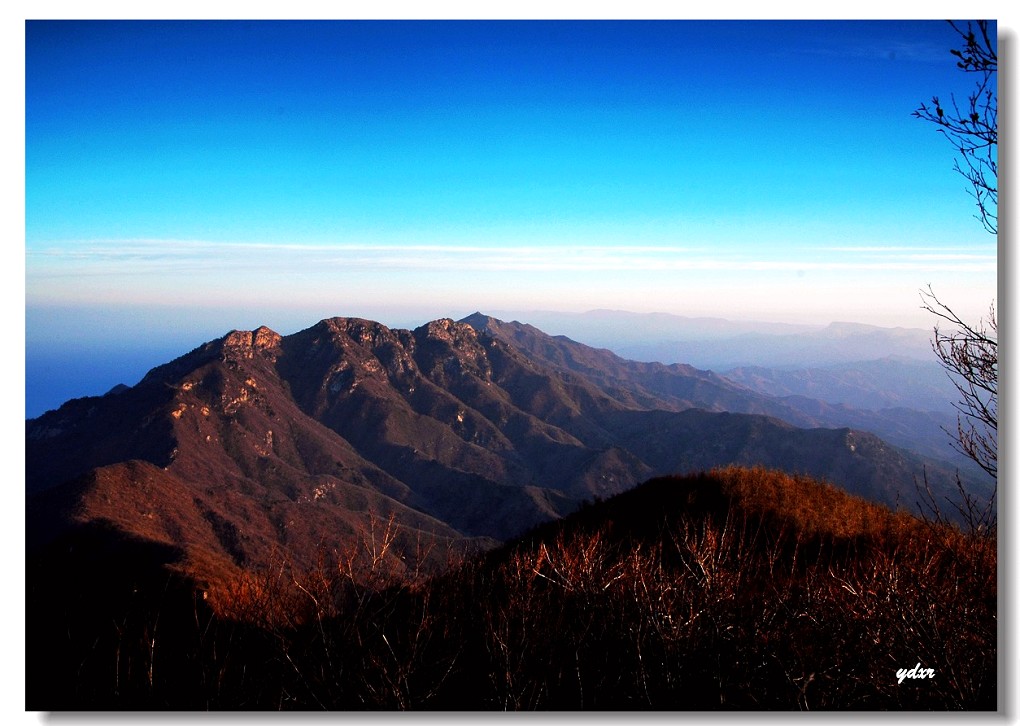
x: 751, y: 390
x: 723, y: 344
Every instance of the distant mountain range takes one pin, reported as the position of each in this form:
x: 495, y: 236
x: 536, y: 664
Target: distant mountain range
x: 883, y: 383
x: 721, y: 344
x: 257, y: 445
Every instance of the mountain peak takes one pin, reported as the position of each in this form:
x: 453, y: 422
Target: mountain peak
x: 448, y: 329
x: 248, y: 342
x: 356, y: 328
x: 480, y: 321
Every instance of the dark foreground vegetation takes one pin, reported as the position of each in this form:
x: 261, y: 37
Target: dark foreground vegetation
x: 736, y: 589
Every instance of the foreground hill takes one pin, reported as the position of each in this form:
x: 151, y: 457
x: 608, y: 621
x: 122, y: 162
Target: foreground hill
x: 459, y: 434
x: 732, y: 589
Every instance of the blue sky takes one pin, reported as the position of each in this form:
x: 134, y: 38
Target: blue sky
x: 195, y: 177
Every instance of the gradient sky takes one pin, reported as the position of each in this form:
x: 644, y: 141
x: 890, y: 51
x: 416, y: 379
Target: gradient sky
x: 281, y: 172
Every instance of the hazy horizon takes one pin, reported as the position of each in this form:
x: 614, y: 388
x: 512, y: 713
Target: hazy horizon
x: 104, y: 348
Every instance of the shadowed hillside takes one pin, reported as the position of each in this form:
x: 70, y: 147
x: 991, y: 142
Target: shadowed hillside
x: 735, y: 589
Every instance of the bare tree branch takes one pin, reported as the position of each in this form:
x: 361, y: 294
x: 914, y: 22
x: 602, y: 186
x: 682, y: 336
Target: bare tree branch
x: 973, y: 129
x: 970, y: 357
x: 969, y: 353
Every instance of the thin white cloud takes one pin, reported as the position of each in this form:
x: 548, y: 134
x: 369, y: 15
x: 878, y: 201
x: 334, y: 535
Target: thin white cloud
x: 135, y: 257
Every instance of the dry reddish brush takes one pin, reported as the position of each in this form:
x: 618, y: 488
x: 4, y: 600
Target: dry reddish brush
x: 735, y: 589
